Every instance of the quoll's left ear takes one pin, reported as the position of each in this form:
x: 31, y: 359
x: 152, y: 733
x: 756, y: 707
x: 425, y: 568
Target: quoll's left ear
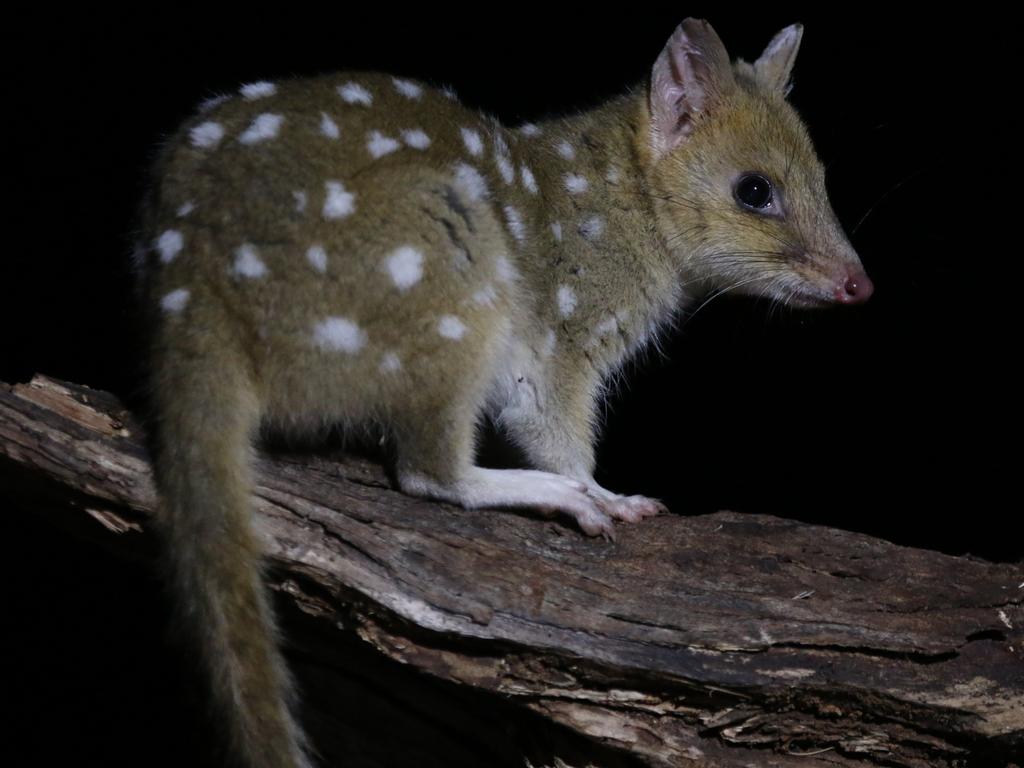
x: 776, y: 63
x: 689, y: 79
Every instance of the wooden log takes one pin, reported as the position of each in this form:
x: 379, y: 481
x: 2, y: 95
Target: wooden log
x: 718, y: 640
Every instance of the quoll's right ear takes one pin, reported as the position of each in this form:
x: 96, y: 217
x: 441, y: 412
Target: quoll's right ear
x: 692, y: 72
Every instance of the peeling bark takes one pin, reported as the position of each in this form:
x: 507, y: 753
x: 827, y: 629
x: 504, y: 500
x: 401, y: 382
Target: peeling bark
x: 719, y: 640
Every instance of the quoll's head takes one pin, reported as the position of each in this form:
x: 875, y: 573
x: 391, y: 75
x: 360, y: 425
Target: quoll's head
x: 737, y: 185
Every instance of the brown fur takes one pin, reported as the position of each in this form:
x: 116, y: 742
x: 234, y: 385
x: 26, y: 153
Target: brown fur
x: 542, y: 320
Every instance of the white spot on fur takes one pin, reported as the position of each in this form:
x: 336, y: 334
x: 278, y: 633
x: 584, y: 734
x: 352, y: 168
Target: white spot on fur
x: 504, y: 162
x: 405, y: 265
x: 576, y: 184
x: 300, y: 200
x: 248, y: 262
x: 508, y: 173
x: 474, y: 144
x: 504, y: 270
x: 317, y: 258
x: 547, y: 346
x: 169, y: 245
x: 379, y: 145
x: 606, y: 326
x: 613, y: 176
x: 529, y: 129
x: 451, y: 327
x: 514, y: 219
x: 565, y: 150
x: 354, y: 93
x: 338, y: 203
x: 407, y: 88
x: 339, y: 334
x: 592, y: 227
x: 185, y: 209
x: 328, y: 127
x: 486, y: 296
x: 258, y: 90
x: 528, y: 180
x: 390, y: 363
x: 416, y: 139
x: 566, y: 300
x: 175, y: 301
x: 213, y: 102
x: 556, y: 230
x: 469, y: 180
x: 206, y: 135
x: 449, y: 93
x: 264, y: 127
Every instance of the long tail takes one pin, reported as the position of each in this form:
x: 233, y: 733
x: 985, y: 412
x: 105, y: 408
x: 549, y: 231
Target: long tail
x: 206, y: 419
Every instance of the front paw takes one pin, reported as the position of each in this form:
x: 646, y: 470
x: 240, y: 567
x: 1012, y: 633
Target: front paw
x: 631, y: 509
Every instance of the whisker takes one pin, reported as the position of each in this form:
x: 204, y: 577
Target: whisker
x: 723, y: 291
x: 780, y: 240
x: 882, y: 198
x: 685, y: 203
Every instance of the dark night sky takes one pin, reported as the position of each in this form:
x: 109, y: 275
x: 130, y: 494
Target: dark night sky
x: 882, y: 419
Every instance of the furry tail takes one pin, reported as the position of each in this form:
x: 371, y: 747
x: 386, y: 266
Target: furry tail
x: 206, y: 417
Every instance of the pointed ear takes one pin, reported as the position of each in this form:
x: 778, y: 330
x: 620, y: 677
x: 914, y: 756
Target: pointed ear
x: 690, y: 75
x: 776, y: 63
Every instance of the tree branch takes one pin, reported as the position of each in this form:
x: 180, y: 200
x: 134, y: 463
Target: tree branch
x: 718, y: 640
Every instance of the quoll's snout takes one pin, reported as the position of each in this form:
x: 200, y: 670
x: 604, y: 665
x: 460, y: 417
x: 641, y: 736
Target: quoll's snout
x: 855, y: 288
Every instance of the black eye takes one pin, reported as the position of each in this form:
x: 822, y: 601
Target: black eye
x: 753, y: 191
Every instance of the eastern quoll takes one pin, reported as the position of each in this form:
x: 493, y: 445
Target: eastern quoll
x: 361, y: 248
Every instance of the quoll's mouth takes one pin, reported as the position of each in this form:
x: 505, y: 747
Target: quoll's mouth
x: 810, y: 301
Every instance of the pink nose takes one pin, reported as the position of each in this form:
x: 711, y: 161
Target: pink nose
x: 856, y: 289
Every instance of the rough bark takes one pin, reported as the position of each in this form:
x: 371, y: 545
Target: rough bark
x: 720, y: 640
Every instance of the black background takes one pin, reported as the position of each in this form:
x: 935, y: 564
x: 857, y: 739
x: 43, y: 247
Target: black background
x: 891, y: 419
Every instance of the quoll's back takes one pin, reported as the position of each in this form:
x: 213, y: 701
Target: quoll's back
x: 288, y: 222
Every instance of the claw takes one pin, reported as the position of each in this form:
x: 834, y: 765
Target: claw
x: 631, y: 509
x: 595, y: 523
